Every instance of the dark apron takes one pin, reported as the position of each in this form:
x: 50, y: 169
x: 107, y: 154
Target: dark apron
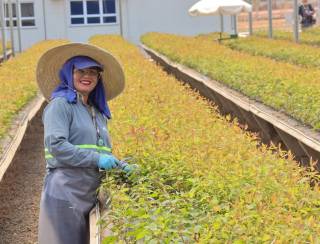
x: 68, y: 196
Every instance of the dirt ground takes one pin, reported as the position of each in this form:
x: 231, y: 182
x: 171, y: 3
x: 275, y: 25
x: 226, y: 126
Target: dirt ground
x: 21, y: 187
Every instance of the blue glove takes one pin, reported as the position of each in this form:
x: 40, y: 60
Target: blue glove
x: 107, y: 162
x: 129, y: 168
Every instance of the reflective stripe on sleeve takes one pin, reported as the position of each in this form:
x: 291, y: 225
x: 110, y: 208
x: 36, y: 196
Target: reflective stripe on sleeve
x: 91, y: 146
x: 83, y: 146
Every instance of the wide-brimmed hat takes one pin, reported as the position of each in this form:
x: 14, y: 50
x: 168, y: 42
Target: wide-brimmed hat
x: 52, y: 61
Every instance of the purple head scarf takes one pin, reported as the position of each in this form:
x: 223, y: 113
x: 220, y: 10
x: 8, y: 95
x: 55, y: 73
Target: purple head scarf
x: 66, y: 88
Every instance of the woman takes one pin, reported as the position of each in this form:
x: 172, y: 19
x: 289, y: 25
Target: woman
x: 78, y: 79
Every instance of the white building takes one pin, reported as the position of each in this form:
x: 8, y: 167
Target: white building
x: 77, y: 20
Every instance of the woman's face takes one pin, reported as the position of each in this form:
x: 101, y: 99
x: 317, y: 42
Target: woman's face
x: 85, y: 80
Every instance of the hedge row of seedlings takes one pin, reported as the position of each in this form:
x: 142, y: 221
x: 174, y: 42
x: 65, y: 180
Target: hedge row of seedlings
x: 19, y: 82
x: 309, y: 37
x: 201, y: 178
x: 285, y: 87
x: 281, y: 50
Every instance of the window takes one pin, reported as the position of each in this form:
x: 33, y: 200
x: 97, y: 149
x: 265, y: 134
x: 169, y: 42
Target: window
x: 86, y: 12
x: 27, y: 17
x: 14, y: 14
x: 109, y: 6
x: 27, y: 14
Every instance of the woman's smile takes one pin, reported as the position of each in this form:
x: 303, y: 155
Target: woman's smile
x: 85, y: 82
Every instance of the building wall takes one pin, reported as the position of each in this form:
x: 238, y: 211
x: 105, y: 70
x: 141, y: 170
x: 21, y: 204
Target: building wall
x: 82, y: 34
x: 170, y: 16
x: 58, y: 24
x: 138, y: 17
x: 54, y: 14
x: 55, y: 18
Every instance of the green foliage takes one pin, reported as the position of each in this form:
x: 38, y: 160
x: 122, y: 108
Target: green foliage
x: 285, y: 87
x: 201, y: 178
x: 308, y: 37
x: 280, y: 50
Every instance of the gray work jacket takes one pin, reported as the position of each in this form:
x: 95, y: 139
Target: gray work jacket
x: 71, y: 151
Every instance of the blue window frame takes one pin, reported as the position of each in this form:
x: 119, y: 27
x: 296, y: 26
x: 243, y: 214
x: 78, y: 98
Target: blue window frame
x: 86, y: 12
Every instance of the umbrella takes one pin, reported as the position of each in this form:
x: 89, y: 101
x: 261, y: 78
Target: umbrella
x: 219, y: 7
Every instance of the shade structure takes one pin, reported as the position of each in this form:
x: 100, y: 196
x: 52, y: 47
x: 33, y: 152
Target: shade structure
x: 219, y: 7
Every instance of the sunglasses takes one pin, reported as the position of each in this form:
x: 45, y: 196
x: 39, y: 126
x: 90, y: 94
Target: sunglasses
x: 89, y: 72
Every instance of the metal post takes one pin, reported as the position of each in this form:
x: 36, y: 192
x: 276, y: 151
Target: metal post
x: 120, y: 18
x: 11, y: 27
x: 3, y: 33
x: 296, y: 21
x: 221, y: 25
x: 44, y: 18
x: 250, y: 19
x: 234, y: 18
x: 270, y: 17
x: 18, y: 14
x: 318, y: 11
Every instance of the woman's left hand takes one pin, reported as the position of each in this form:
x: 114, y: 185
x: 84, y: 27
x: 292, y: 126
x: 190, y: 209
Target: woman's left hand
x: 130, y: 168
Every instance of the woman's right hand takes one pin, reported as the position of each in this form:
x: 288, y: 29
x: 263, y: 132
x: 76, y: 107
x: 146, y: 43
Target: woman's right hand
x: 107, y: 162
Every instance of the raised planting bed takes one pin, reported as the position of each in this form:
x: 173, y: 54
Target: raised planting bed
x: 284, y: 87
x: 19, y: 82
x: 272, y: 126
x: 11, y: 142
x: 280, y: 50
x: 201, y: 177
x: 21, y: 186
x: 19, y: 100
x: 306, y: 37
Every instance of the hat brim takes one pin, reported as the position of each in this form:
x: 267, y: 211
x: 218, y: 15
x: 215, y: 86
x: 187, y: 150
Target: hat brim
x: 51, y: 62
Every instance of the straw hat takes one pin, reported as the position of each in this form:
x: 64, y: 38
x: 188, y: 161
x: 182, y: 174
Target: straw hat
x: 52, y: 61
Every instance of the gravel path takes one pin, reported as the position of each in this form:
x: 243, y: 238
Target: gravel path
x: 20, y: 189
